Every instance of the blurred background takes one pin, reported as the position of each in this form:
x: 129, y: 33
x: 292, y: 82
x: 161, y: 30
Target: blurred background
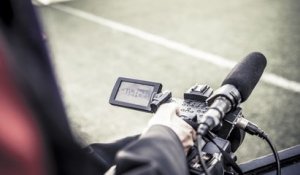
x: 93, y: 42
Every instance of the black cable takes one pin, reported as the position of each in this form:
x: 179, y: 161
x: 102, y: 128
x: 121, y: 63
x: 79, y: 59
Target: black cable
x: 252, y: 129
x: 275, y: 154
x: 200, y: 145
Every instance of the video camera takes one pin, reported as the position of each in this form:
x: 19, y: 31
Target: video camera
x: 147, y: 96
x: 216, y: 116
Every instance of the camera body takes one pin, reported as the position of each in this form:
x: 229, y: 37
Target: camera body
x: 147, y: 96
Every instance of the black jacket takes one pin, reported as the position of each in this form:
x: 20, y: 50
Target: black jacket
x: 158, y: 151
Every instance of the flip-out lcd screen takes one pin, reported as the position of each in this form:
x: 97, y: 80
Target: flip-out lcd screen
x: 132, y: 93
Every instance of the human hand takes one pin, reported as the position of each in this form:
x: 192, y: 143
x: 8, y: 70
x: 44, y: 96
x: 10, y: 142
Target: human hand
x: 168, y: 115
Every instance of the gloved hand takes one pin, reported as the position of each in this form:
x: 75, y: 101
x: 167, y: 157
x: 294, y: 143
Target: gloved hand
x: 168, y: 115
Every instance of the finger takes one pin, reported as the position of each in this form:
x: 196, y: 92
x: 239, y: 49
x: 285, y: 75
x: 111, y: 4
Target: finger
x: 168, y: 108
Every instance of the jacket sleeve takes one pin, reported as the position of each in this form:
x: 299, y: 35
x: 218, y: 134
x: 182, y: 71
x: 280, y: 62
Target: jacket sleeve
x: 158, y: 151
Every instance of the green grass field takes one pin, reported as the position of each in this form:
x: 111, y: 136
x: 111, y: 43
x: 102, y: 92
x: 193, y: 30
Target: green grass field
x: 89, y: 57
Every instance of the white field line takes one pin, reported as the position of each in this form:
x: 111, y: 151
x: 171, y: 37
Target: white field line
x: 179, y: 47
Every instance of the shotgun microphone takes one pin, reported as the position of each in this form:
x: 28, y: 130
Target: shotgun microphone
x: 235, y: 89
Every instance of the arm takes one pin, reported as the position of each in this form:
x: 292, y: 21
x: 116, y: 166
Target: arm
x: 162, y: 147
x: 158, y: 151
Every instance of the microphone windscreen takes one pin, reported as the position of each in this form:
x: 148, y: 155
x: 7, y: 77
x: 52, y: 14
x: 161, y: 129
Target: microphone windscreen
x: 245, y: 75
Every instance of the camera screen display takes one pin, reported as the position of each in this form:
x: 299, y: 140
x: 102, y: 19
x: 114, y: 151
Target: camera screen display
x: 134, y: 93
